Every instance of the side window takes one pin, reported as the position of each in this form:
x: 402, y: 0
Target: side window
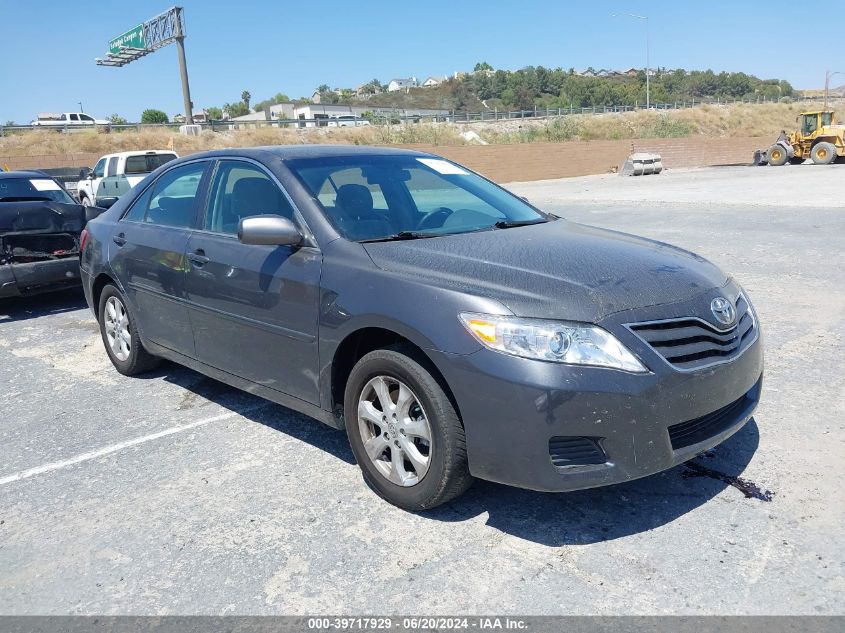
x: 85, y: 117
x: 337, y: 180
x: 111, y: 170
x: 139, y: 208
x: 74, y: 117
x: 173, y: 196
x: 239, y: 190
x: 100, y: 168
x: 809, y: 124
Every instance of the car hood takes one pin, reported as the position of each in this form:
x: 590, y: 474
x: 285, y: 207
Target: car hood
x: 559, y: 269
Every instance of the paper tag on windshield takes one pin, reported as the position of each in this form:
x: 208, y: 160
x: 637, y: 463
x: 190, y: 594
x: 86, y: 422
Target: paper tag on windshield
x: 43, y: 184
x: 443, y: 166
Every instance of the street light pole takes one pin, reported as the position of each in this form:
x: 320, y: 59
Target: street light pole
x: 827, y: 77
x: 647, y: 55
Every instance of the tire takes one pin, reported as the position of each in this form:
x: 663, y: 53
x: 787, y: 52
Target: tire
x: 440, y: 460
x: 121, y: 340
x: 777, y: 155
x: 823, y: 153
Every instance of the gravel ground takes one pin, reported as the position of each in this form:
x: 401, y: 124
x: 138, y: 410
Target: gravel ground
x: 174, y: 494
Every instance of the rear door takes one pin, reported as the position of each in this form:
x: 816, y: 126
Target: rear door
x: 253, y: 308
x: 149, y: 254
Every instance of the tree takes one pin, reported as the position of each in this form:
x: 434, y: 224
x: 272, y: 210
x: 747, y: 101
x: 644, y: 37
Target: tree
x: 480, y: 66
x: 323, y: 88
x: 116, y: 119
x: 151, y: 115
x: 235, y: 109
x: 214, y: 113
x: 245, y: 97
x: 10, y: 123
x: 280, y: 97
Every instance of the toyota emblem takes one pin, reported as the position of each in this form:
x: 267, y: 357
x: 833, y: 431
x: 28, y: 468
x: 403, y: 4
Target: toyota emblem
x: 723, y: 310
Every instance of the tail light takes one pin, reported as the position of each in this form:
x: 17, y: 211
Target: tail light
x: 83, y: 239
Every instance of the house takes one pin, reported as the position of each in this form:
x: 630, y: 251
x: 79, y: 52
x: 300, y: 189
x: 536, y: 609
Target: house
x: 402, y: 84
x: 311, y: 115
x: 433, y: 81
x: 587, y: 72
x: 631, y: 72
x: 199, y: 117
x: 602, y: 73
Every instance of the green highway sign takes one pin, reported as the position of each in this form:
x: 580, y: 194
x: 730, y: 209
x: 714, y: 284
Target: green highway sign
x: 133, y: 38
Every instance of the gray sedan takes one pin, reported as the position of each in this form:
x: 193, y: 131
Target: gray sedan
x: 451, y: 329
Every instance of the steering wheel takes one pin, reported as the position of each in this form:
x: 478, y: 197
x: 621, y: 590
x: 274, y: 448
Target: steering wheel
x: 434, y: 219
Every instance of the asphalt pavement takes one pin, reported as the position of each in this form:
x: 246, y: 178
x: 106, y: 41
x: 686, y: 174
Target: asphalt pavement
x: 171, y: 493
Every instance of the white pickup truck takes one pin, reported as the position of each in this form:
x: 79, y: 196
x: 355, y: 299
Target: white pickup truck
x: 115, y: 174
x: 67, y: 119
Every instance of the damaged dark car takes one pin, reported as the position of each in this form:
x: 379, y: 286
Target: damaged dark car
x: 40, y: 231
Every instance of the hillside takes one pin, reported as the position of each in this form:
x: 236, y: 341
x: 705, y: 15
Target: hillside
x: 764, y: 120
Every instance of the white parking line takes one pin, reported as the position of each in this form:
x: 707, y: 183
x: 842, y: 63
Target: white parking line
x: 107, y: 450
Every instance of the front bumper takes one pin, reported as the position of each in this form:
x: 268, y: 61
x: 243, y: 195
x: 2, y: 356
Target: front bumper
x: 512, y: 408
x: 35, y: 277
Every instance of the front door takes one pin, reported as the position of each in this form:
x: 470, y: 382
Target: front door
x: 253, y: 308
x: 151, y: 239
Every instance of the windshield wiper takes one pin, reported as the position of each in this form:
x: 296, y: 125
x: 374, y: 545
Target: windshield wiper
x: 509, y: 224
x: 401, y: 235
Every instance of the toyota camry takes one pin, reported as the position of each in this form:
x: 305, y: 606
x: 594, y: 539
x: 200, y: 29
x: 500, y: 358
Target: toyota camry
x: 451, y: 329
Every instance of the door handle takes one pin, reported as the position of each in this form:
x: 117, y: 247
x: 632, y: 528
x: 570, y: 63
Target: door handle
x: 119, y: 239
x: 198, y: 257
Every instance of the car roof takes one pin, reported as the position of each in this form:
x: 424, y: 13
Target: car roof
x: 140, y: 152
x: 27, y: 173
x: 293, y: 152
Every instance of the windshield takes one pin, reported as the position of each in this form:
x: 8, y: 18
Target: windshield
x: 22, y: 189
x: 146, y: 163
x: 374, y: 197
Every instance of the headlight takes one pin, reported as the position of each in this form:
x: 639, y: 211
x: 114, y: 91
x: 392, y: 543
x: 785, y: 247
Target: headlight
x: 556, y: 341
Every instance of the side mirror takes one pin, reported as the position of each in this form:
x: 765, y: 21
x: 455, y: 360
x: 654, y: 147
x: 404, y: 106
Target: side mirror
x: 107, y: 202
x: 269, y: 230
x: 84, y: 173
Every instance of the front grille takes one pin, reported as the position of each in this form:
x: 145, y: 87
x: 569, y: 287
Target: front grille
x: 690, y: 343
x: 697, y: 430
x: 575, y: 451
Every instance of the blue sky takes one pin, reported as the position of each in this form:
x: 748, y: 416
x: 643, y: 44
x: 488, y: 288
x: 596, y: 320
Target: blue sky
x: 47, y: 50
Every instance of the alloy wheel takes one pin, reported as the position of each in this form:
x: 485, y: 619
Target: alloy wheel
x: 394, y: 430
x: 116, y: 323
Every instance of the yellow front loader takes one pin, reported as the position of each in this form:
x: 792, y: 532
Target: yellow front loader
x: 818, y: 138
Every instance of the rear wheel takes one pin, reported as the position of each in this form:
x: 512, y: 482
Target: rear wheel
x: 823, y: 153
x: 777, y: 156
x: 120, y: 336
x: 404, y: 431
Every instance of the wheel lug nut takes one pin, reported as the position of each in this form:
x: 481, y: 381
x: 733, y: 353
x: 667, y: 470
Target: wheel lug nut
x: 396, y: 442
x: 402, y: 431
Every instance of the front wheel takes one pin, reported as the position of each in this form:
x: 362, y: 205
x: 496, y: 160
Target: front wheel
x: 823, y: 153
x: 777, y: 156
x: 404, y: 431
x: 120, y: 336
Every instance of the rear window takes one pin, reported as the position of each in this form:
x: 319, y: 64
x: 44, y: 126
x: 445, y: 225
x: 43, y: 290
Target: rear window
x: 36, y: 188
x: 145, y: 163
